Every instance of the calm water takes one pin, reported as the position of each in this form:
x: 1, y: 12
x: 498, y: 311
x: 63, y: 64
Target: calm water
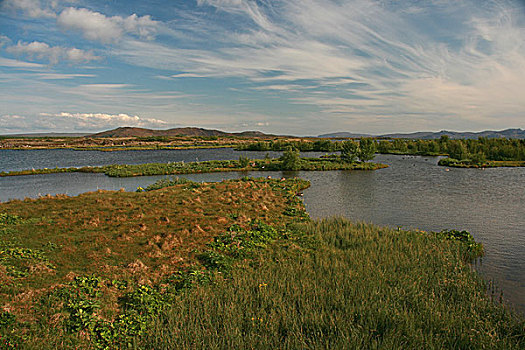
x: 412, y: 193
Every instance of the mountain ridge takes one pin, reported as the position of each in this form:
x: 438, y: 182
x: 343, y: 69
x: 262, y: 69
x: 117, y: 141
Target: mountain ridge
x: 185, y: 131
x: 514, y: 133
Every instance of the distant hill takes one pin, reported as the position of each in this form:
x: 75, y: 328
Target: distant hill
x: 508, y: 133
x: 343, y: 135
x: 189, y: 131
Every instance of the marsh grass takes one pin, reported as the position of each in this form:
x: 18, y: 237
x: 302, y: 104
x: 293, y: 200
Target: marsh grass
x: 484, y: 164
x: 358, y: 287
x: 175, y: 168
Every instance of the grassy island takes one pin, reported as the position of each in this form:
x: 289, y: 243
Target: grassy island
x: 243, y: 164
x: 467, y: 163
x: 236, y: 264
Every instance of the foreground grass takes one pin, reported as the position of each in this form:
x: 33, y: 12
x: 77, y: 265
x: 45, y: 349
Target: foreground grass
x: 177, y: 168
x: 358, y: 287
x: 238, y: 265
x: 92, y: 270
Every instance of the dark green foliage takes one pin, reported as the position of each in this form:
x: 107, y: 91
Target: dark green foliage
x: 302, y: 146
x: 472, y: 249
x: 6, y: 319
x: 170, y: 182
x: 349, y: 151
x: 244, y: 161
x: 367, y: 149
x: 216, y: 261
x: 81, y: 303
x: 290, y: 159
x: 482, y: 152
x: 6, y: 219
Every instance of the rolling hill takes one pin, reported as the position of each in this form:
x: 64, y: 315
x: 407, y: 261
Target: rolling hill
x: 188, y: 131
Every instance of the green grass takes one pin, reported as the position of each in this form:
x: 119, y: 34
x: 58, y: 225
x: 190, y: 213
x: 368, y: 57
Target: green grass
x: 306, y: 164
x: 234, y: 265
x: 357, y: 287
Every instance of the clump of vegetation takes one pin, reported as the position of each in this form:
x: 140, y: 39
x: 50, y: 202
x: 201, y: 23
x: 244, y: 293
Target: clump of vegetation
x: 7, y: 219
x: 290, y: 159
x: 244, y: 161
x: 170, y: 182
x: 471, y: 248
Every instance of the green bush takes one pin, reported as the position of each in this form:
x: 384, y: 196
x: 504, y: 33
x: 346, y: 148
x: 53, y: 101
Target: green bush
x: 290, y: 160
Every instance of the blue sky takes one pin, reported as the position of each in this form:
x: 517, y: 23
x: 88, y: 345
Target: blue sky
x: 301, y: 67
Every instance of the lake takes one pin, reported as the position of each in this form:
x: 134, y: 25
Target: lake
x: 414, y: 192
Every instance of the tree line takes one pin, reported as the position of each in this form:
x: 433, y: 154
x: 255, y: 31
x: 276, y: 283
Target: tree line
x: 472, y: 150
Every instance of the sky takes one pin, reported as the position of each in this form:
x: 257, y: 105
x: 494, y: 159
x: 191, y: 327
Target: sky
x: 297, y: 67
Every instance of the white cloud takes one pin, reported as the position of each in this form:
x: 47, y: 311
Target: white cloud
x: 31, y: 8
x: 75, y: 122
x: 53, y: 54
x: 100, y: 121
x: 98, y: 27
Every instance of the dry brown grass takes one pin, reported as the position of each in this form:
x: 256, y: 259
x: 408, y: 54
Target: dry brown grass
x: 141, y: 236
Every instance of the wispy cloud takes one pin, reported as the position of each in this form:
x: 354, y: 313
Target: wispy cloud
x: 7, y: 62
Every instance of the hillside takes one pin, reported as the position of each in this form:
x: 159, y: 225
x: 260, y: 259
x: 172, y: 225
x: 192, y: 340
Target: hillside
x: 508, y: 133
x: 188, y: 131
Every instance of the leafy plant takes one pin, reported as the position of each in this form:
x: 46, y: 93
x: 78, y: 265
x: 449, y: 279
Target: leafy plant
x: 473, y: 248
x: 244, y: 161
x: 349, y: 151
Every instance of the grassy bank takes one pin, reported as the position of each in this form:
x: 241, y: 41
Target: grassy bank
x: 235, y: 264
x: 450, y: 162
x: 352, y: 286
x: 177, y: 168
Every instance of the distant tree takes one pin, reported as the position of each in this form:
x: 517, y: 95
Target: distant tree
x: 367, y: 150
x: 457, y: 150
x: 478, y: 158
x: 290, y: 160
x: 244, y: 161
x: 349, y: 151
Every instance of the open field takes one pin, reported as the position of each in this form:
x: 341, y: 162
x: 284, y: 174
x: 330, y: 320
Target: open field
x: 236, y: 264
